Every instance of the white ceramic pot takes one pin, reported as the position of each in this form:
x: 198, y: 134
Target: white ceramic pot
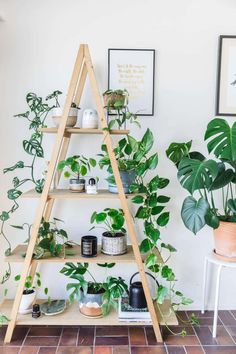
x: 71, y: 120
x: 114, y: 245
x: 90, y: 119
x: 26, y: 302
x: 77, y: 185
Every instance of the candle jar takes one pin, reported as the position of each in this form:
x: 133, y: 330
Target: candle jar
x: 89, y: 246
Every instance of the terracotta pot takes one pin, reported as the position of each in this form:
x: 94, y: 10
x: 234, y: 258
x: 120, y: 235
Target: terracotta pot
x: 225, y: 241
x: 90, y: 305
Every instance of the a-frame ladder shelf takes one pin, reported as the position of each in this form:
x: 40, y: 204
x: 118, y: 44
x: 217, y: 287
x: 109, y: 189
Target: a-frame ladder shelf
x: 71, y: 316
x: 83, y: 67
x: 67, y: 194
x: 84, y: 131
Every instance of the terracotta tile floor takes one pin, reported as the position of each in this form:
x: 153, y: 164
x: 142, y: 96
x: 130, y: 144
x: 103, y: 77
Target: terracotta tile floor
x: 123, y: 340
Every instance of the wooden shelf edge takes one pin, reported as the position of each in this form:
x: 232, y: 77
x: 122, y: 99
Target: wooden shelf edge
x: 72, y: 316
x: 76, y: 130
x: 67, y: 194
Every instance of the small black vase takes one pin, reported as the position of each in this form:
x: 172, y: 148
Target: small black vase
x: 89, y: 246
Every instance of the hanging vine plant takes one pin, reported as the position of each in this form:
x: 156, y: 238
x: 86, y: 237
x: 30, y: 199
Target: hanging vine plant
x: 35, y: 116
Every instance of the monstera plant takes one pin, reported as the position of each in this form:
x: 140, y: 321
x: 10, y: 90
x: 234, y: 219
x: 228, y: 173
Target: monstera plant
x: 211, y: 184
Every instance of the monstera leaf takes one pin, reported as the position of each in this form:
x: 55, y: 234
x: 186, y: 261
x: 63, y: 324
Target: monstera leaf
x: 176, y: 151
x: 195, y: 174
x: 193, y: 213
x: 222, y: 139
x: 223, y: 177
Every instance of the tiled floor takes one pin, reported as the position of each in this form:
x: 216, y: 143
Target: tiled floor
x: 123, y: 340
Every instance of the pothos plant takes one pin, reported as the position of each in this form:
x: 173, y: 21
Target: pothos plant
x: 112, y: 288
x: 116, y: 103
x: 152, y: 212
x: 35, y: 117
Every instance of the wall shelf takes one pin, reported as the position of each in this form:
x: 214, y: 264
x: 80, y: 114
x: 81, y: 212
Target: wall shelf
x: 84, y: 131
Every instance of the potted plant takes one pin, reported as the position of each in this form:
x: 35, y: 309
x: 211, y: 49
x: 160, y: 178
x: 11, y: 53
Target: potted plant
x: 95, y: 298
x: 76, y: 166
x: 29, y: 293
x: 133, y: 159
x: 212, y: 180
x: 116, y: 103
x: 114, y: 240
x: 58, y: 112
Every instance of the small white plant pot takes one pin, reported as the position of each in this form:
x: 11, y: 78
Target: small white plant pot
x: 77, y: 185
x: 71, y: 120
x: 114, y: 245
x: 90, y: 119
x: 26, y: 302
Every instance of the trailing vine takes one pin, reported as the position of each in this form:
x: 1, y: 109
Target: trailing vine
x: 35, y: 116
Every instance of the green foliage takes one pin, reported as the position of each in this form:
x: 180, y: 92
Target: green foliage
x: 35, y: 117
x: 116, y: 103
x: 207, y: 177
x: 78, y: 165
x: 112, y: 219
x: 29, y: 282
x: 112, y: 288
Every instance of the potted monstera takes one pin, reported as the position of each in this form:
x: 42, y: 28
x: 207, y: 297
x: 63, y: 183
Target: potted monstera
x: 114, y: 239
x: 75, y: 167
x: 211, y: 184
x: 95, y: 298
x: 133, y: 160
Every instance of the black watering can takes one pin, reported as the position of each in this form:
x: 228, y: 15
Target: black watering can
x: 136, y: 293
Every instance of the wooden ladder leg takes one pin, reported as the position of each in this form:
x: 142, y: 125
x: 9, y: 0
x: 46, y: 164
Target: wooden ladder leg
x: 124, y: 204
x: 46, y: 189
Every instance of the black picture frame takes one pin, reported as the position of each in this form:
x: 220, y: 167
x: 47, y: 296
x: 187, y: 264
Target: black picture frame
x: 153, y: 51
x: 221, y: 62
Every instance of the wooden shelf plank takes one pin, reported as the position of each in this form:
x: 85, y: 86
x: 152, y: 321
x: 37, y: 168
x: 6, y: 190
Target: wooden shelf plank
x: 53, y: 130
x: 71, y: 316
x: 16, y: 257
x: 67, y: 194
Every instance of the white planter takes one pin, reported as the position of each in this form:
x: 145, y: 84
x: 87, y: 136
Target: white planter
x: 114, y: 245
x: 90, y: 119
x: 77, y: 185
x: 71, y: 120
x: 26, y: 302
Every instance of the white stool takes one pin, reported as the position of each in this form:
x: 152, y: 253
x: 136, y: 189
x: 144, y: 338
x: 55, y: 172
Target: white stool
x: 220, y: 264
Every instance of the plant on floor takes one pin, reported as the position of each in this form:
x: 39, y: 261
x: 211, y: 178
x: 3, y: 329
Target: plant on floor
x: 110, y: 290
x: 116, y: 103
x: 76, y: 166
x: 206, y: 177
x: 132, y: 156
x: 35, y: 116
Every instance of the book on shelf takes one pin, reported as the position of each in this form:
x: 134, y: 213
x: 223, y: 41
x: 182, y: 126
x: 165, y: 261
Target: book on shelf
x: 128, y: 313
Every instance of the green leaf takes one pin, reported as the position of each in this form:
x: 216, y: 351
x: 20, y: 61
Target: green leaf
x: 83, y: 170
x: 152, y: 162
x: 151, y: 260
x: 176, y: 151
x: 19, y: 164
x: 138, y: 199
x: 13, y: 194
x: 232, y: 205
x: 168, y: 247
x: 162, y: 293
x: 61, y: 165
x: 93, y: 217
x: 162, y: 199
x: 223, y: 178
x: 147, y: 141
x: 212, y: 220
x: 162, y: 183
x: 145, y: 246
x: 4, y: 216
x: 186, y: 301
x: 167, y: 273
x: 45, y: 244
x: 194, y: 174
x: 142, y: 213
x: 100, y: 217
x: 157, y: 210
x: 17, y: 277
x: 33, y: 147
x: 67, y: 174
x: 153, y: 184
x: 7, y: 252
x: 92, y: 162
x: 133, y: 143
x: 163, y: 219
x: 193, y: 213
x: 222, y: 139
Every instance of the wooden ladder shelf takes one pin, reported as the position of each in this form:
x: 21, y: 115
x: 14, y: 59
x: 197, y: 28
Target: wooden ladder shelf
x: 83, y: 67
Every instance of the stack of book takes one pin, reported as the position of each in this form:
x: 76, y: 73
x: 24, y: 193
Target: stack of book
x: 131, y: 314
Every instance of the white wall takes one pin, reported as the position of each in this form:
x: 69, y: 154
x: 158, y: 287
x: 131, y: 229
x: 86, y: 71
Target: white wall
x: 38, y: 44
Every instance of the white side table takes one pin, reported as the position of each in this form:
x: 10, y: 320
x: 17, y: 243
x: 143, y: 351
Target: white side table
x: 220, y: 264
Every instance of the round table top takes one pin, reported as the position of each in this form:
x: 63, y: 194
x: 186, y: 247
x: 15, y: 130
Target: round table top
x: 214, y: 259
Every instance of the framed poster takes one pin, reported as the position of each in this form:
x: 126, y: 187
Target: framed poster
x: 133, y: 70
x: 226, y: 80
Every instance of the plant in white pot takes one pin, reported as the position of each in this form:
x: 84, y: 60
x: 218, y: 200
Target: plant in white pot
x: 57, y: 111
x: 76, y: 166
x: 29, y: 293
x: 212, y: 181
x: 114, y: 240
x: 95, y: 298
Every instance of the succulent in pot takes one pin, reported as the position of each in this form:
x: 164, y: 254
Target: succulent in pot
x: 76, y: 166
x: 116, y: 103
x: 57, y: 111
x: 29, y: 293
x: 212, y: 180
x: 133, y: 160
x: 114, y: 240
x: 95, y: 298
